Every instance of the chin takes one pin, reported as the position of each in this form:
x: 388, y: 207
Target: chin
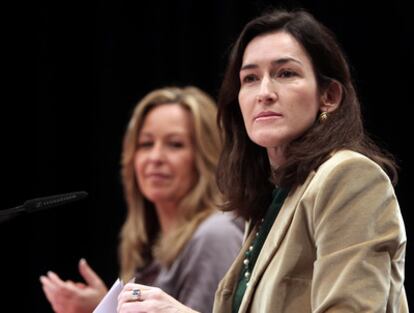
x: 155, y: 196
x: 266, y: 141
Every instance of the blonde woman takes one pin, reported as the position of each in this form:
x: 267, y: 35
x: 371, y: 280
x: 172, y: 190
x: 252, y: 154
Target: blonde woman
x: 173, y: 237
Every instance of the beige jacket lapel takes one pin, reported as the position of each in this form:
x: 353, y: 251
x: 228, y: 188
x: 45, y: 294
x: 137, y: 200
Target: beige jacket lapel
x: 275, y: 237
x: 224, y: 295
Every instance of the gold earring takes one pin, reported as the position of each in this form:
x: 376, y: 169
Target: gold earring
x: 323, y: 116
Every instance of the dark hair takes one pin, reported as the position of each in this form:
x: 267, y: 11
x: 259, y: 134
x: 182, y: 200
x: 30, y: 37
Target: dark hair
x: 244, y: 171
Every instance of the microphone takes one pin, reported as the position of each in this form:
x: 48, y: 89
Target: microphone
x: 43, y: 203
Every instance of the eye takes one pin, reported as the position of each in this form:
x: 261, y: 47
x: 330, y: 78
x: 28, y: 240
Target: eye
x: 176, y: 144
x: 287, y: 73
x: 249, y: 78
x: 144, y: 144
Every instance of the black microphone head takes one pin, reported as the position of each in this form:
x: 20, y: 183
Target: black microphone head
x: 38, y: 204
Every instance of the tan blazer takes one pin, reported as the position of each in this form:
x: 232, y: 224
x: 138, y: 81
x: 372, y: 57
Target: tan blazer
x: 337, y: 245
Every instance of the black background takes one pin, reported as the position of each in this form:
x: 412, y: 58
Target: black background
x: 62, y: 127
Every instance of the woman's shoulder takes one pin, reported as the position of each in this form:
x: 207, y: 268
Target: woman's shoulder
x: 218, y: 234
x: 348, y: 160
x: 348, y: 156
x: 220, y: 224
x: 347, y: 168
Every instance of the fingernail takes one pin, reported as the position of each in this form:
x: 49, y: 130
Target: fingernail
x: 82, y: 260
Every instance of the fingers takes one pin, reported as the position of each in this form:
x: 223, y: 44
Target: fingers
x: 66, y: 288
x: 80, y: 285
x: 131, y: 293
x: 51, y: 297
x: 55, y: 279
x: 69, y: 296
x: 55, y: 290
x: 76, y: 284
x: 89, y: 275
x: 48, y: 287
x: 140, y: 298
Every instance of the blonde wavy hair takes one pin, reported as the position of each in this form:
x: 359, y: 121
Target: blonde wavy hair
x: 140, y: 239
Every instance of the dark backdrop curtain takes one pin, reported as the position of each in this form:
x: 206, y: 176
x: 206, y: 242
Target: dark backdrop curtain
x: 63, y: 126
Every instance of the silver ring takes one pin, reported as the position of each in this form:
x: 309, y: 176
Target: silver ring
x: 136, y: 294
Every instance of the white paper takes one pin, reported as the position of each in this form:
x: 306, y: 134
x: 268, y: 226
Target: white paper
x: 109, y: 303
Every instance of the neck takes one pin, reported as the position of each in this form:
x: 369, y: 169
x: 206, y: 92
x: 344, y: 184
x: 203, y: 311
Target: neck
x: 167, y: 215
x: 276, y: 157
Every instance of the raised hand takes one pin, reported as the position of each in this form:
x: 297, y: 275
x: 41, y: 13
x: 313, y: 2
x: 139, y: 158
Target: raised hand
x: 74, y: 297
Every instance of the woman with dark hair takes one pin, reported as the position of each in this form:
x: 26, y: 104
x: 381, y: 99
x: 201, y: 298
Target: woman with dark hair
x: 325, y: 231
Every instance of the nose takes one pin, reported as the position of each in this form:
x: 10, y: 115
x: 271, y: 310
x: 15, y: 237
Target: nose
x: 267, y: 93
x: 156, y: 154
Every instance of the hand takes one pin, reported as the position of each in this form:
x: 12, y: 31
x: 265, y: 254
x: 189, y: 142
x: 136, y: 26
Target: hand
x: 70, y: 297
x: 148, y: 300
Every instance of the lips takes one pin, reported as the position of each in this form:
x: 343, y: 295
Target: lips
x: 267, y: 115
x: 157, y: 175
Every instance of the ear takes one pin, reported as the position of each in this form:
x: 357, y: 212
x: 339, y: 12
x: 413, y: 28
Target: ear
x: 331, y: 97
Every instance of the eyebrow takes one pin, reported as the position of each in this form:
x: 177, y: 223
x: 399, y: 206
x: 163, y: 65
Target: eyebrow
x: 171, y: 134
x: 275, y: 62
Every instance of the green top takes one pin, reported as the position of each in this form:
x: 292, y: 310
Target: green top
x: 253, y: 251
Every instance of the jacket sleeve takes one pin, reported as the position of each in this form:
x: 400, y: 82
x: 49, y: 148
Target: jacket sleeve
x: 359, y: 239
